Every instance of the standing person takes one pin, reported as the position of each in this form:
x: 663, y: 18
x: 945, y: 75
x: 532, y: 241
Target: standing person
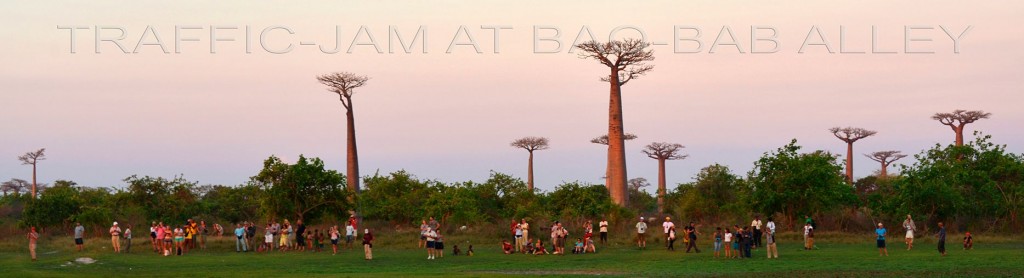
x: 941, y: 235
x: 773, y: 249
x: 431, y: 237
x: 438, y: 245
x: 968, y: 241
x: 691, y: 232
x: 168, y: 237
x: 718, y: 241
x: 276, y: 232
x: 641, y: 230
x: 250, y: 234
x: 423, y: 234
x: 880, y: 231
x: 335, y: 236
x: 526, y: 230
x: 368, y: 244
x: 770, y: 226
x: 79, y: 234
x: 554, y: 238
x: 728, y: 242
x: 240, y: 244
x: 300, y: 235
x: 518, y: 233
x: 807, y: 235
x: 33, y: 236
x: 563, y: 234
x: 671, y: 238
x: 666, y: 226
x: 604, y: 230
x: 128, y: 238
x: 350, y: 234
x: 152, y: 236
x: 737, y: 239
x: 432, y: 224
x: 748, y: 240
x: 115, y: 237
x: 909, y: 226
x: 268, y: 239
x: 203, y: 231
x: 756, y: 225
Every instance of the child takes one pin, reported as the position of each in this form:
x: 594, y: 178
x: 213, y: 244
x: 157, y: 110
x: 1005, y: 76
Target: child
x: 528, y: 248
x: 968, y: 241
x: 469, y: 252
x: 268, y: 239
x: 455, y: 250
x: 538, y: 249
x: 578, y: 248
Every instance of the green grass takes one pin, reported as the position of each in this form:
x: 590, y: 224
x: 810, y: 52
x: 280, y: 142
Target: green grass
x: 834, y: 258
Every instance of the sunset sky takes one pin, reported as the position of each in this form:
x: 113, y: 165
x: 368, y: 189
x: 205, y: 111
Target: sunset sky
x: 214, y: 117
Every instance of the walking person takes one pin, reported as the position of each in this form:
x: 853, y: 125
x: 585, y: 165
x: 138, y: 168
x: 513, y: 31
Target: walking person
x: 79, y: 234
x: 773, y: 249
x: 335, y: 236
x: 641, y: 230
x: 880, y: 231
x: 941, y: 235
x: 691, y: 232
x: 604, y: 230
x: 350, y: 234
x: 671, y: 239
x: 240, y: 244
x: 128, y: 238
x: 368, y: 244
x: 115, y: 237
x: 666, y: 226
x: 756, y: 225
x: 33, y: 237
x: 909, y: 226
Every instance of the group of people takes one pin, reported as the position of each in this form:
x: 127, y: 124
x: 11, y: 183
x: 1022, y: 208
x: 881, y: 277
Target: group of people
x: 736, y: 242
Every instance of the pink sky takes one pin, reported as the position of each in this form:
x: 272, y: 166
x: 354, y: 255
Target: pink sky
x: 450, y: 117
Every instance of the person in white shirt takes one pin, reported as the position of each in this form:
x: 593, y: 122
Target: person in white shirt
x: 770, y: 226
x: 350, y: 234
x: 667, y: 226
x: 526, y: 231
x: 910, y: 227
x: 115, y: 237
x: 756, y: 224
x: 431, y: 236
x: 641, y: 230
x: 604, y: 231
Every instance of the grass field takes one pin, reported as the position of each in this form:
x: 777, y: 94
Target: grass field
x: 834, y: 258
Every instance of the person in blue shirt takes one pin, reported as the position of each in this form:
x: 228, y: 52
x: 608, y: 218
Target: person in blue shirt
x: 941, y: 235
x: 880, y: 232
x: 240, y: 245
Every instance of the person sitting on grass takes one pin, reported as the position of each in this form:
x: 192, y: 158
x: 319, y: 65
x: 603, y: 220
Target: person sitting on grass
x: 505, y: 246
x: 588, y: 243
x: 469, y: 252
x: 455, y: 250
x: 968, y: 241
x: 528, y: 248
x: 538, y: 249
x: 578, y: 247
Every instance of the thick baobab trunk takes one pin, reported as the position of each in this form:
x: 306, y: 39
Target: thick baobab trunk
x: 616, y: 180
x: 661, y: 185
x: 529, y: 174
x: 352, y: 175
x: 849, y: 162
x: 33, y: 181
x: 885, y: 171
x: 960, y: 135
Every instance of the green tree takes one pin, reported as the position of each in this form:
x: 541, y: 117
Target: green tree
x: 304, y: 190
x: 792, y: 183
x: 56, y: 206
x: 579, y: 201
x: 715, y: 194
x: 397, y: 197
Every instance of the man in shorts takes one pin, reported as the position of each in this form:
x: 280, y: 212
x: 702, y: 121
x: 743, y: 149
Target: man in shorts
x: 79, y: 233
x: 350, y: 234
x: 641, y: 231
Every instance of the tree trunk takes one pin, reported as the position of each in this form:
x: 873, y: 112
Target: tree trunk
x: 849, y: 163
x: 885, y: 170
x: 352, y: 179
x: 616, y: 180
x: 661, y: 185
x: 529, y: 174
x: 33, y: 180
x: 960, y: 135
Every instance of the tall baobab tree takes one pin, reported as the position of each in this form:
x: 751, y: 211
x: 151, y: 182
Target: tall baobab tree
x: 662, y: 152
x: 13, y: 185
x: 850, y: 135
x: 958, y: 119
x: 626, y: 60
x: 530, y: 144
x: 33, y: 158
x: 603, y: 140
x: 344, y: 84
x: 886, y: 158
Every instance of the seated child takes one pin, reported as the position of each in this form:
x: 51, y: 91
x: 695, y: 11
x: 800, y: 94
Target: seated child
x: 539, y: 248
x: 469, y: 252
x: 968, y: 241
x: 506, y: 247
x: 578, y: 248
x: 456, y: 251
x: 528, y: 248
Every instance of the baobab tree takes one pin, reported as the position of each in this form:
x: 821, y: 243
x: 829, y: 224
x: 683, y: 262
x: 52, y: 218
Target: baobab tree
x: 850, y: 135
x: 636, y: 184
x: 626, y: 60
x: 603, y: 140
x: 344, y: 84
x: 33, y: 158
x: 13, y: 185
x: 530, y: 144
x: 886, y: 158
x: 662, y: 152
x: 958, y: 119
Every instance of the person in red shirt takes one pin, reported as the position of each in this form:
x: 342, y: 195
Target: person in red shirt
x: 506, y: 246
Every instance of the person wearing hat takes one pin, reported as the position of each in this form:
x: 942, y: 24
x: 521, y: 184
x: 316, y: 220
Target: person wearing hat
x: 880, y: 232
x: 641, y: 230
x: 115, y: 237
x: 368, y: 244
x: 667, y: 226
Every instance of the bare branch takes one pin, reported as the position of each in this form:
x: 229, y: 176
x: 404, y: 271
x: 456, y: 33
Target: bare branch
x: 343, y: 84
x: 960, y: 117
x: 886, y: 157
x: 531, y: 143
x: 626, y: 58
x: 851, y: 134
x: 662, y: 150
x: 30, y: 158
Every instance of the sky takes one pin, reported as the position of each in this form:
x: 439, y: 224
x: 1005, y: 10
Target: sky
x: 171, y: 107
